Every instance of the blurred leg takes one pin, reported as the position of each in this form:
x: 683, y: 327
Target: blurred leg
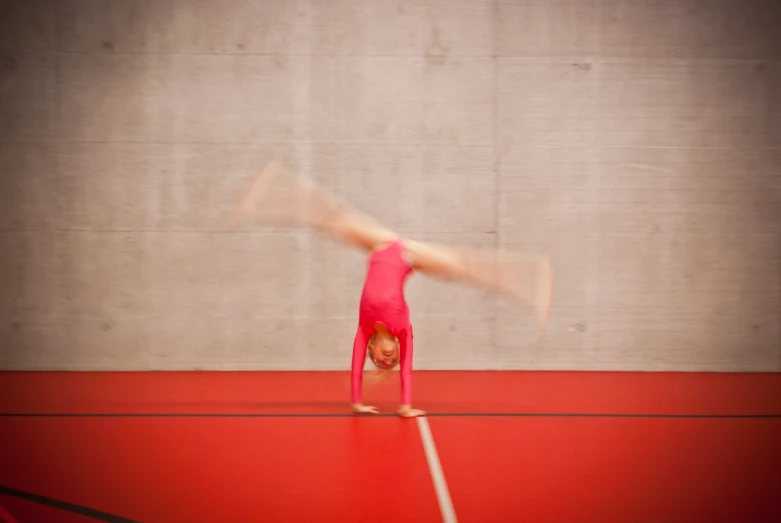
x: 280, y: 197
x: 527, y: 278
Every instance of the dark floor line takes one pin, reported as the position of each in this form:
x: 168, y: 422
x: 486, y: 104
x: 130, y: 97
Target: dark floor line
x: 63, y: 505
x: 384, y: 415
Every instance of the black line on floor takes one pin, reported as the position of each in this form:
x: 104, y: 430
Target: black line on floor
x: 384, y: 415
x: 63, y: 505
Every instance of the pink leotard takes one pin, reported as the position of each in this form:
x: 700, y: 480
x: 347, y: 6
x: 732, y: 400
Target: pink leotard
x: 382, y: 301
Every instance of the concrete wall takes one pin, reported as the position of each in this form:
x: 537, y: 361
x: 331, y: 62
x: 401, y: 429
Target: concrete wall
x: 639, y: 141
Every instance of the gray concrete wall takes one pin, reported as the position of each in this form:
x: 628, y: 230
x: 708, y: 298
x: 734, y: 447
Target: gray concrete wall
x: 638, y: 141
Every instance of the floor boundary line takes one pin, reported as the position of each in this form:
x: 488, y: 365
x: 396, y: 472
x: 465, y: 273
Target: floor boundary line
x: 437, y: 476
x: 64, y: 505
x: 383, y: 415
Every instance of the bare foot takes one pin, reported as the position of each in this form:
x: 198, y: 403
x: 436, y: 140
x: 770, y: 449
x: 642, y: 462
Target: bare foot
x: 247, y: 206
x: 529, y: 280
x: 543, y: 292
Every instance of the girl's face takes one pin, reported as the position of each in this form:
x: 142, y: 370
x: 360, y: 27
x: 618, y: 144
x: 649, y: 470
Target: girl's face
x: 384, y: 351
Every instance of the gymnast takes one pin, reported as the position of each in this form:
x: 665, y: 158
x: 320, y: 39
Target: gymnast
x: 384, y: 326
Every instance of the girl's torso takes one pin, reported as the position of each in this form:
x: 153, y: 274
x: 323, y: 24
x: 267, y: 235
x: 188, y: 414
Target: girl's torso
x: 383, y: 299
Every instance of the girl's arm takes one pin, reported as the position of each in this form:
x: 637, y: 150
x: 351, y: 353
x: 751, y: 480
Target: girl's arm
x: 406, y: 346
x: 356, y: 374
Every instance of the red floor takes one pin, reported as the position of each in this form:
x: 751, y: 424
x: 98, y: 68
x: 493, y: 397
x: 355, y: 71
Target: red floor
x: 514, y: 446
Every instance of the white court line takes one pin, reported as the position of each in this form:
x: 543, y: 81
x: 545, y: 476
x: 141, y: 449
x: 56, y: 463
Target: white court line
x: 440, y: 485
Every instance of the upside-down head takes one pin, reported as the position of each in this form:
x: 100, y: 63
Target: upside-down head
x: 384, y: 350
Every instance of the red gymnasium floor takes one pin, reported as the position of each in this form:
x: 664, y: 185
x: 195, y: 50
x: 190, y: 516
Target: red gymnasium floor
x: 497, y: 447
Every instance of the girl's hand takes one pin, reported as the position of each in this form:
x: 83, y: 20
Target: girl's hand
x: 406, y: 411
x: 364, y: 409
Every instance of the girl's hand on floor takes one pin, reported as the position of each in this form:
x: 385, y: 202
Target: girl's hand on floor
x: 364, y: 409
x: 407, y: 411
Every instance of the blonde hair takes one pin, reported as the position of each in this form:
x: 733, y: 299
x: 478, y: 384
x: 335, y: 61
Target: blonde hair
x: 381, y: 374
